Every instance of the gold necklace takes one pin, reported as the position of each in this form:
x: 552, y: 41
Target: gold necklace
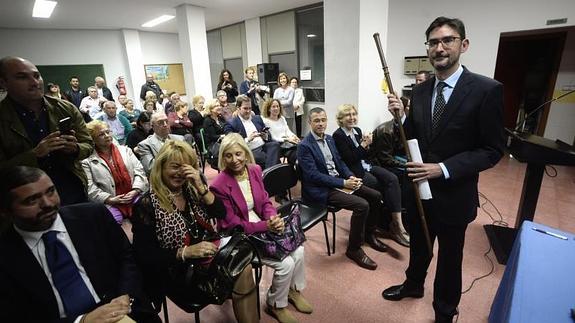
x: 242, y: 176
x: 173, y: 195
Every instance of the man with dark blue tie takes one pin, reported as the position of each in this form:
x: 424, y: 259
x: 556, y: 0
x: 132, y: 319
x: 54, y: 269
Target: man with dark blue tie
x: 69, y: 264
x: 457, y: 118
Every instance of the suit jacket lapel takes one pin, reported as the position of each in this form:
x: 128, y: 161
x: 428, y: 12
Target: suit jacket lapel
x: 426, y: 104
x: 23, y: 267
x: 156, y: 145
x: 317, y: 152
x: 237, y: 196
x: 86, y: 249
x: 462, y: 88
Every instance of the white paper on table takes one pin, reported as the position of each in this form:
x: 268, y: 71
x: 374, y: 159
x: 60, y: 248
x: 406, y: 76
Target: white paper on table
x: 424, y: 189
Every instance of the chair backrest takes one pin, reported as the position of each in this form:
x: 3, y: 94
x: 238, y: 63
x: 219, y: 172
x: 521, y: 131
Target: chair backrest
x: 279, y: 178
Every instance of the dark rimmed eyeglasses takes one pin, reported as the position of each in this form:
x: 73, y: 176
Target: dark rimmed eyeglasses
x: 447, y: 42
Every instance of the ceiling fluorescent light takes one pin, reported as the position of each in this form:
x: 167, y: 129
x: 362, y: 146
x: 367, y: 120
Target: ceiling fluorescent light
x: 311, y: 35
x: 43, y: 8
x: 157, y: 21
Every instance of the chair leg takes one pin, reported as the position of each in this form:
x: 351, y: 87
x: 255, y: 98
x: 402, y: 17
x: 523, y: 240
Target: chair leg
x: 165, y: 308
x: 258, y: 280
x: 333, y: 237
x: 197, y: 316
x: 326, y: 238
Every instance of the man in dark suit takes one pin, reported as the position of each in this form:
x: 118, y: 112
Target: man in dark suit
x: 457, y: 119
x: 252, y: 128
x: 103, y: 91
x: 63, y: 264
x: 324, y: 177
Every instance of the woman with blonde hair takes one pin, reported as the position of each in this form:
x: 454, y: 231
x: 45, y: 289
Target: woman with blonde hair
x: 198, y: 102
x: 196, y: 114
x: 241, y: 189
x: 171, y: 227
x: 115, y: 176
x: 353, y: 147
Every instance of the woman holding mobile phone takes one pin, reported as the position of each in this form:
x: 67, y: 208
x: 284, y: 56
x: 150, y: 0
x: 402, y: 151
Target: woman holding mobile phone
x: 172, y: 229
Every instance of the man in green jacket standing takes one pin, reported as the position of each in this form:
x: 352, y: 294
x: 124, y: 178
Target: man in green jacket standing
x: 30, y: 125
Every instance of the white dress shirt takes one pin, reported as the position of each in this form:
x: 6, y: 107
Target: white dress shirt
x: 250, y: 127
x: 34, y: 241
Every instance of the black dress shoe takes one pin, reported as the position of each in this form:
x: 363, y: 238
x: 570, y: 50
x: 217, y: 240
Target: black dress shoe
x: 361, y: 259
x: 376, y: 244
x: 399, y: 292
x: 397, y: 237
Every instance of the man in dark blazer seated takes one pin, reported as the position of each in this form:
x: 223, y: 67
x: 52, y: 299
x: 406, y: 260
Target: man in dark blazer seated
x: 457, y: 118
x: 64, y: 264
x: 324, y: 175
x: 255, y: 133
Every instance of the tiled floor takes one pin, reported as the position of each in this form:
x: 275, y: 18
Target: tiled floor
x: 343, y: 292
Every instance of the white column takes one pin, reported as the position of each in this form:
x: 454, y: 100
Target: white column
x: 137, y: 75
x: 352, y: 68
x: 194, y: 50
x: 341, y: 58
x: 253, y: 41
x: 372, y: 102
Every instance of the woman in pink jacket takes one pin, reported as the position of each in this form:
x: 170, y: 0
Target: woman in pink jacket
x: 241, y: 189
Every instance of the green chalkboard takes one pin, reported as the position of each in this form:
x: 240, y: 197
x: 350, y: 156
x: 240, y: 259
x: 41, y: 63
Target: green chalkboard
x: 60, y: 74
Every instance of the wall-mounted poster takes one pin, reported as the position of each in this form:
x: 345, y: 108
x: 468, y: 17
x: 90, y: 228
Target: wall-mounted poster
x: 170, y: 77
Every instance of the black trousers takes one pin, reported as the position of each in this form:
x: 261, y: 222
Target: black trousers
x: 451, y: 239
x: 298, y: 125
x: 365, y: 204
x: 387, y: 184
x: 268, y: 154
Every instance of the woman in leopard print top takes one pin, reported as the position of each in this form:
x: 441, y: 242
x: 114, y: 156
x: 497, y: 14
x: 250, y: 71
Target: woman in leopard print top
x: 171, y: 227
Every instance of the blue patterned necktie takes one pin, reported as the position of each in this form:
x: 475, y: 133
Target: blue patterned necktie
x: 439, y: 106
x: 74, y: 293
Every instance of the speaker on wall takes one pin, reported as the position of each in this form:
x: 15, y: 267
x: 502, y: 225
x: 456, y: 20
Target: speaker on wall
x: 268, y: 73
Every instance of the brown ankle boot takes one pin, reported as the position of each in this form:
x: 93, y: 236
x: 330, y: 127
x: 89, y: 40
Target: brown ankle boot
x: 299, y: 302
x: 283, y: 315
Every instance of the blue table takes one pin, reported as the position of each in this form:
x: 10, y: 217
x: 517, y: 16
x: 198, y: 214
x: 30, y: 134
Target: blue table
x: 539, y: 281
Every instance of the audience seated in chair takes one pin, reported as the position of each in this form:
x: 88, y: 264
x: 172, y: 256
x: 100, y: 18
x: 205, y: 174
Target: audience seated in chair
x: 117, y: 123
x: 252, y: 129
x: 63, y: 264
x: 115, y: 176
x: 214, y: 125
x: 353, y: 147
x: 272, y: 115
x: 170, y: 225
x: 325, y: 175
x: 142, y: 131
x: 240, y: 187
x: 149, y: 148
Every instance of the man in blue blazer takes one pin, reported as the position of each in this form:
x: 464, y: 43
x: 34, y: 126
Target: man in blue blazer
x: 326, y: 180
x: 457, y: 118
x: 101, y: 281
x: 255, y: 133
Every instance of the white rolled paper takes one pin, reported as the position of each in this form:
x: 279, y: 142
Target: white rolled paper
x: 424, y: 189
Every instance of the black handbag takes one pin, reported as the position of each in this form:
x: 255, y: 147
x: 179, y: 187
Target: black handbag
x: 216, y: 282
x: 278, y: 246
